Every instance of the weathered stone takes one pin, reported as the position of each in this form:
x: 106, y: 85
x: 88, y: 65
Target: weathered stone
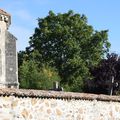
x: 8, y: 54
x: 53, y: 104
x: 14, y: 103
x: 33, y: 101
x: 16, y: 107
x: 58, y: 112
x: 48, y: 111
x: 25, y: 113
x: 47, y: 104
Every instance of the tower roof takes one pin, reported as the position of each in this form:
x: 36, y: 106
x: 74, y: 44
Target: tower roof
x: 4, y: 13
x: 6, y: 17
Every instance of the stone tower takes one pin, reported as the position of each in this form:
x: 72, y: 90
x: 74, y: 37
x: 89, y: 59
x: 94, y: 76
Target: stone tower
x: 8, y: 54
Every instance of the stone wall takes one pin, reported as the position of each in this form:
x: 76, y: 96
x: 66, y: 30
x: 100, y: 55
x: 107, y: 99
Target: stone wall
x: 50, y: 105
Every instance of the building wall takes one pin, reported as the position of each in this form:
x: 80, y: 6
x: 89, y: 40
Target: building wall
x: 2, y: 52
x: 11, y: 61
x: 48, y: 105
x: 8, y: 56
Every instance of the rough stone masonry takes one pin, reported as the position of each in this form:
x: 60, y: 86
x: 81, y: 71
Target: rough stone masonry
x: 8, y: 54
x: 19, y: 104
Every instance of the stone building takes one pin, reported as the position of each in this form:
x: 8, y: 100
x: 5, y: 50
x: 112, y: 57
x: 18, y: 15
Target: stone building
x: 8, y: 54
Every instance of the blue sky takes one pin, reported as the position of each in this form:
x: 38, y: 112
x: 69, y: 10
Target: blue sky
x: 101, y: 14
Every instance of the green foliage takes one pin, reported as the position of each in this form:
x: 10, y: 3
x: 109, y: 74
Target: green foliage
x: 33, y: 77
x: 21, y: 57
x: 29, y: 75
x: 66, y: 42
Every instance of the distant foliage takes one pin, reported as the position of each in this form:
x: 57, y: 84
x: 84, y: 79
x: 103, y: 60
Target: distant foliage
x: 102, y: 76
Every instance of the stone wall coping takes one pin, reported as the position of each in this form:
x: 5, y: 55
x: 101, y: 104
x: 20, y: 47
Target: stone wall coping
x: 56, y: 95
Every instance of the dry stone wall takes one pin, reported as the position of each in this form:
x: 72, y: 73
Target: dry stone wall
x: 49, y: 105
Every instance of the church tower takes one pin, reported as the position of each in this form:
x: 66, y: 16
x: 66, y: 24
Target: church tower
x: 8, y: 54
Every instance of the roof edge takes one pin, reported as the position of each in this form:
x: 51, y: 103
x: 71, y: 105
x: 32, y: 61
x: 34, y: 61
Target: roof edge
x: 56, y: 95
x: 4, y: 13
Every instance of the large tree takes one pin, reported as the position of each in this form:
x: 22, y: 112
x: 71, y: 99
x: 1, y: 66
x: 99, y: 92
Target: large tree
x: 68, y: 43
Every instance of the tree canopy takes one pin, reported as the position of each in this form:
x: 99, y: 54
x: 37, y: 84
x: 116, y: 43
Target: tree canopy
x: 69, y: 44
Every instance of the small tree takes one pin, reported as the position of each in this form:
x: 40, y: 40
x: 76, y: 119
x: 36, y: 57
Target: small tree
x: 33, y: 77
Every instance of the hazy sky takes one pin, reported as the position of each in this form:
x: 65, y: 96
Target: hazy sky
x: 101, y: 14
